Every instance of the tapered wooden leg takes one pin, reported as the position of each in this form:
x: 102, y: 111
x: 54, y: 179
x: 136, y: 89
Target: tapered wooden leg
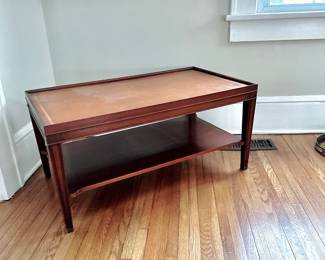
x: 57, y: 166
x: 247, y: 127
x: 42, y: 150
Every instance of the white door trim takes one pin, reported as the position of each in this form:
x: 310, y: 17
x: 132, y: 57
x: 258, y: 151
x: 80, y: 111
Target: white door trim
x: 5, y: 193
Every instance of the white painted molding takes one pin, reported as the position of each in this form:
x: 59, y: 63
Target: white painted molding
x: 274, y: 16
x: 2, y: 97
x: 11, y: 143
x: 32, y: 170
x: 274, y: 115
x: 27, y: 151
x: 291, y: 99
x: 23, y: 132
x: 277, y: 29
x: 3, y: 190
x: 247, y: 25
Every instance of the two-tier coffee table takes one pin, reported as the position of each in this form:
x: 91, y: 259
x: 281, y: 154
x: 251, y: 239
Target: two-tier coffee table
x: 97, y: 133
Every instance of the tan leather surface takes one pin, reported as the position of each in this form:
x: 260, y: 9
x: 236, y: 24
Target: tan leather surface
x: 64, y: 105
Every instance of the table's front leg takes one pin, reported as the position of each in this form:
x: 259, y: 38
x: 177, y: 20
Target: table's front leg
x: 57, y: 167
x: 247, y: 128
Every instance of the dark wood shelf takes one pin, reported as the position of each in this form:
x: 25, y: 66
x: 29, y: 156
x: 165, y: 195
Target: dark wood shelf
x: 105, y: 159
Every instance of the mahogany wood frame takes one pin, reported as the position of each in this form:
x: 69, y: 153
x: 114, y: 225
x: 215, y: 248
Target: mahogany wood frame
x: 49, y: 138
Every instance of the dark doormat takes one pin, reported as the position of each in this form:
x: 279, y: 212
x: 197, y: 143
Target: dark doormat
x: 256, y: 145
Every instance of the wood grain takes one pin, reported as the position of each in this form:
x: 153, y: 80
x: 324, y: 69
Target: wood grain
x: 64, y: 113
x: 201, y: 209
x: 75, y: 103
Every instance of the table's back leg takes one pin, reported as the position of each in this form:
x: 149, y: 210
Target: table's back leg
x: 247, y: 128
x: 57, y: 166
x: 42, y: 150
x: 191, y: 128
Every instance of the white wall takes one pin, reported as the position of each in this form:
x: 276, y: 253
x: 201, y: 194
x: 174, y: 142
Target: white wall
x: 102, y: 38
x: 25, y: 59
x: 25, y: 63
x: 99, y: 39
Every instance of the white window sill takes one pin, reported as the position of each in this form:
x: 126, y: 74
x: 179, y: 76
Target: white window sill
x: 276, y: 26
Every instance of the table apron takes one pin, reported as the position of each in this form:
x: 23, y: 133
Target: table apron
x: 90, y: 130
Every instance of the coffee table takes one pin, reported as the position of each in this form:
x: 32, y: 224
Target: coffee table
x: 96, y: 133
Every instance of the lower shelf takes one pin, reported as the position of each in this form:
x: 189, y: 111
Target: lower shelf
x: 100, y: 160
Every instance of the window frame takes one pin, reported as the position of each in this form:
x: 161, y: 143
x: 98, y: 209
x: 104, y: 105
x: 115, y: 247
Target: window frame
x: 264, y: 6
x: 249, y: 25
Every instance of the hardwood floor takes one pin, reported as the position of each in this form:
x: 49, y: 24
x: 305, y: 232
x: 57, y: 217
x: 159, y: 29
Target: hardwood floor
x: 201, y: 209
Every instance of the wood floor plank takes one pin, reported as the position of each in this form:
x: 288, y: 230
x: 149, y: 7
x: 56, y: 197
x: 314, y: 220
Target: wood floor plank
x: 114, y: 234
x: 135, y: 221
x: 287, y: 167
x: 171, y: 251
x: 156, y: 240
x: 28, y: 241
x: 96, y: 237
x: 315, y: 168
x: 56, y: 235
x: 228, y: 196
x: 194, y: 232
x: 215, y: 224
x: 244, y: 222
x: 72, y: 247
x: 254, y: 204
x: 18, y: 224
x: 140, y: 243
x: 68, y: 240
x: 200, y: 209
x: 309, y: 160
x: 116, y: 250
x: 282, y: 207
x: 277, y: 217
x: 211, y: 243
x: 240, y: 196
x: 227, y: 222
x: 13, y: 208
x: 184, y: 222
x: 9, y: 207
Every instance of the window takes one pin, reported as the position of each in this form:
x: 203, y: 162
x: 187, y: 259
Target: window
x: 277, y: 6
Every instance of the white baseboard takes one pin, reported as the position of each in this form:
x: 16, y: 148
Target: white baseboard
x: 3, y: 191
x: 26, y: 151
x: 32, y: 170
x: 275, y: 115
x: 23, y: 132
